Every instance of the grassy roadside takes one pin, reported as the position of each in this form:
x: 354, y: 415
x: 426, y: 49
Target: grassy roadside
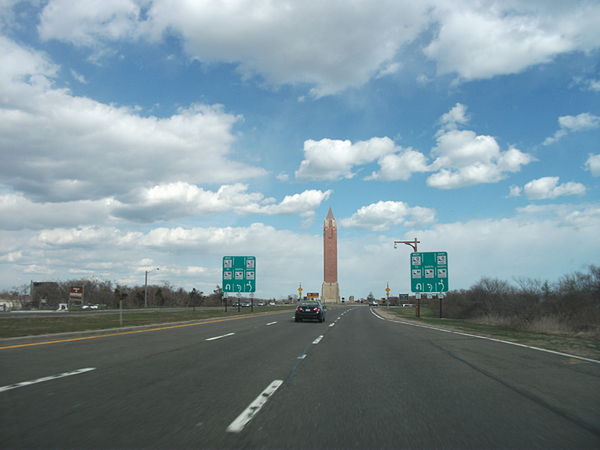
x: 576, y: 343
x: 32, y: 326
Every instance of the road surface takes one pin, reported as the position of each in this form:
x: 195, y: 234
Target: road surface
x: 354, y: 381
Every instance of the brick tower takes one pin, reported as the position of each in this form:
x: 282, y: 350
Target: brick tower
x: 330, y: 291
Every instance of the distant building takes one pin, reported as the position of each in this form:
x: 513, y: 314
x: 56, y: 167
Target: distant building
x: 330, y: 291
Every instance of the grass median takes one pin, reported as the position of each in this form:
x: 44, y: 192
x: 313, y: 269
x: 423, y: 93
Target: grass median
x: 64, y: 323
x: 580, y: 344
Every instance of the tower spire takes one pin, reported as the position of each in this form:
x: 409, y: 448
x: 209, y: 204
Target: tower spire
x: 330, y: 291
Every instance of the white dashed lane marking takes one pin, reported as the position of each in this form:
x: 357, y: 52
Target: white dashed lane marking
x: 219, y: 337
x: 246, y: 416
x: 41, y: 380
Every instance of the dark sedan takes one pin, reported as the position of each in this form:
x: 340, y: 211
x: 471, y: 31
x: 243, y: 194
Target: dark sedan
x: 310, y: 310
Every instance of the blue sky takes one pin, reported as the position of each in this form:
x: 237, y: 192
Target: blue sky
x: 148, y: 133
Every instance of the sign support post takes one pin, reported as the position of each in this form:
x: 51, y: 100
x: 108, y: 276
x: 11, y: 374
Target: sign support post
x: 387, y: 295
x: 428, y: 273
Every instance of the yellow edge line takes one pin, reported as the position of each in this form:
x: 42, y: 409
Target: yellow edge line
x: 121, y: 333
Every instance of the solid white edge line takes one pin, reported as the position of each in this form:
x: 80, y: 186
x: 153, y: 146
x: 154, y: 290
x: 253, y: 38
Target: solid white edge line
x: 246, y: 416
x: 41, y: 380
x: 317, y: 340
x: 554, y: 352
x: 219, y: 337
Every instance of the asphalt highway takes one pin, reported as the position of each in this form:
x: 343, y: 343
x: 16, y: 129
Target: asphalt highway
x: 354, y: 381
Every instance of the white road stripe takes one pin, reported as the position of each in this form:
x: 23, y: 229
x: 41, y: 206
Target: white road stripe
x: 271, y: 323
x: 489, y: 339
x: 219, y: 337
x: 331, y: 325
x: 41, y: 380
x: 317, y: 340
x: 302, y: 356
x: 246, y: 416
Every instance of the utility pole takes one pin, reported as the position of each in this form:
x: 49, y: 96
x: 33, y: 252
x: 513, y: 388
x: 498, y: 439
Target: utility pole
x: 146, y: 286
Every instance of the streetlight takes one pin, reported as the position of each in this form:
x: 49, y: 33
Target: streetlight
x: 146, y: 286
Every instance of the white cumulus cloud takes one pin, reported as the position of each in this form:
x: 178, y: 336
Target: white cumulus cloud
x: 158, y: 203
x: 330, y: 159
x: 332, y: 46
x: 484, y: 39
x: 570, y: 124
x: 593, y: 165
x: 547, y: 188
x: 73, y: 148
x: 85, y: 23
x: 400, y: 166
x: 284, y: 42
x: 455, y: 117
x: 382, y: 215
x: 464, y: 158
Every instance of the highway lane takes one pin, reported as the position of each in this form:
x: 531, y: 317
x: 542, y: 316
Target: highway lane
x: 163, y: 389
x: 367, y: 383
x: 377, y: 384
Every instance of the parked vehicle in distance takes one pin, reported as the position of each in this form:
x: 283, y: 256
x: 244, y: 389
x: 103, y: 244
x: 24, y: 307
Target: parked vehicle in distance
x: 246, y: 304
x: 310, y: 310
x: 260, y: 304
x: 373, y: 303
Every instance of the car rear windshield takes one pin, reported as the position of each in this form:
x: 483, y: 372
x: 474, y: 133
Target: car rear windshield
x: 311, y: 304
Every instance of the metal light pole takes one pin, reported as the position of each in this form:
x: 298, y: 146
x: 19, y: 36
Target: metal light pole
x: 146, y: 286
x: 413, y: 244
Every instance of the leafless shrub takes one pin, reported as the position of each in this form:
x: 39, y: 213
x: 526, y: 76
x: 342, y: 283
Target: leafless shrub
x: 549, y: 325
x: 571, y: 304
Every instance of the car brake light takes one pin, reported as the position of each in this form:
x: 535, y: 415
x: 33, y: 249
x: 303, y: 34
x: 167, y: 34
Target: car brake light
x: 316, y: 309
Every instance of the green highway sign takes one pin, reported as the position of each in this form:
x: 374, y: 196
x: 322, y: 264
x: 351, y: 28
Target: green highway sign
x: 429, y: 271
x: 239, y: 274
